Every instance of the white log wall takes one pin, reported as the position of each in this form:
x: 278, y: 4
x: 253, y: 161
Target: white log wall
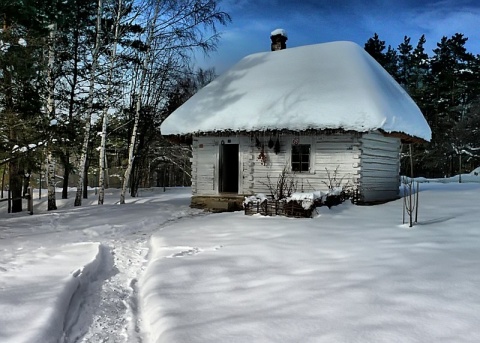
x: 368, y: 161
x: 380, y: 167
x: 334, y: 156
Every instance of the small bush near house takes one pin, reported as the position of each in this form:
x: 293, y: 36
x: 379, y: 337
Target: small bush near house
x: 284, y: 200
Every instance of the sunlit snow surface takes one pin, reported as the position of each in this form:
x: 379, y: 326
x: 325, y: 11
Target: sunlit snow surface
x: 335, y: 85
x: 351, y: 274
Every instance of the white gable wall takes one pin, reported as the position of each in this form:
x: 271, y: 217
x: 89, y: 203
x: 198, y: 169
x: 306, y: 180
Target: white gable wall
x: 380, y: 167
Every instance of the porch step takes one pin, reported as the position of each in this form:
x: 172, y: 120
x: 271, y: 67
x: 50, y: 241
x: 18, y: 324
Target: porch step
x: 218, y: 203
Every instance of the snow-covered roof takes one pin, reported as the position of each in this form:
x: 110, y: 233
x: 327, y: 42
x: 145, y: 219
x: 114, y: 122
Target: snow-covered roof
x: 279, y: 32
x: 334, y: 85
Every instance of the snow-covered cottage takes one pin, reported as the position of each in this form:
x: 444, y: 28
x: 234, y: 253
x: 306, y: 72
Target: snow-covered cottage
x: 315, y: 110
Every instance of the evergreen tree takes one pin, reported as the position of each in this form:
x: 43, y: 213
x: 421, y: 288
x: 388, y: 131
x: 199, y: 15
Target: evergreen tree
x: 75, y: 30
x: 375, y: 47
x: 388, y: 60
x: 22, y: 44
x: 391, y: 62
x: 448, y: 97
x: 405, y: 65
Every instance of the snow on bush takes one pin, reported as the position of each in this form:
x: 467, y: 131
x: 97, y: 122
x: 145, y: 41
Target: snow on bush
x: 259, y: 198
x: 308, y: 200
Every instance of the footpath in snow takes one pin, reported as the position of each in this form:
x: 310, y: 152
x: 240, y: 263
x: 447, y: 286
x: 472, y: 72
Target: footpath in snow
x: 70, y: 275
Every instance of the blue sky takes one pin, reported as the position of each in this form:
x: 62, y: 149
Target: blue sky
x: 311, y: 22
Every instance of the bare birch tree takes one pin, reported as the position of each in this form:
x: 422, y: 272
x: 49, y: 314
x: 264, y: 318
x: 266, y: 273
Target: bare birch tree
x: 88, y: 118
x: 174, y: 29
x: 146, y: 62
x: 113, y: 57
x: 50, y: 162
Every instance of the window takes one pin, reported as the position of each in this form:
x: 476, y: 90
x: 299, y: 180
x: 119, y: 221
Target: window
x: 301, y: 157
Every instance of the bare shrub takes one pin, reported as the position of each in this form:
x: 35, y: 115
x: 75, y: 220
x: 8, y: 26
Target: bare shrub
x: 284, y: 186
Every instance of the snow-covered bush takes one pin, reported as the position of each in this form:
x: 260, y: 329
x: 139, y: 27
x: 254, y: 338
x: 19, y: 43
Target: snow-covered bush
x: 259, y: 198
x: 285, y: 185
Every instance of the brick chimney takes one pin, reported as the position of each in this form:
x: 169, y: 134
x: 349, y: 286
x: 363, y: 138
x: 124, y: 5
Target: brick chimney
x: 279, y: 39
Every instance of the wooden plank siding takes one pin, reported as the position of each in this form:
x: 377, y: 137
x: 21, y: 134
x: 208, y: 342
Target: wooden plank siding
x: 204, y: 164
x: 368, y: 161
x: 327, y: 153
x: 379, y: 167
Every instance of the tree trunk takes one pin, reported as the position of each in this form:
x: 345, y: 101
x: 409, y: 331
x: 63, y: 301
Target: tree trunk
x: 50, y: 176
x: 26, y: 182
x: 146, y: 62
x: 71, y: 107
x: 15, y: 185
x: 103, y: 159
x: 15, y: 180
x: 51, y: 203
x: 66, y: 175
x: 88, y: 119
x: 3, y: 180
x: 85, y: 182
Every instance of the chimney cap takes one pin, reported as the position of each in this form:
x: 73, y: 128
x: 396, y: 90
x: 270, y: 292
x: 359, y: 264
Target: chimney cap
x: 281, y: 32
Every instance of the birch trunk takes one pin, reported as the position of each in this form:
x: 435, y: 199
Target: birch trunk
x: 88, y: 119
x: 50, y: 172
x: 50, y: 162
x: 141, y: 85
x: 103, y: 162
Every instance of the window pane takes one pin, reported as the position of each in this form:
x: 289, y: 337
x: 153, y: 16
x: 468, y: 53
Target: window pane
x: 304, y: 149
x: 301, y: 157
x: 295, y: 158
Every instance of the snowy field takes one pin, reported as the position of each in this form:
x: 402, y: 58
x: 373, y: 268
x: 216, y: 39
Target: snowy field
x: 154, y: 270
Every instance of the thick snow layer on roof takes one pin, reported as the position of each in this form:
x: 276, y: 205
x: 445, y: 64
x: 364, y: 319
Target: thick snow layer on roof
x: 334, y: 85
x: 279, y: 32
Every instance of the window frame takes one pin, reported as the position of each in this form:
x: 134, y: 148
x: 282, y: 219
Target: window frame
x: 301, y: 161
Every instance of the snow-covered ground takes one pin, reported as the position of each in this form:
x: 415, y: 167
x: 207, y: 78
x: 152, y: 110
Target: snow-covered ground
x: 154, y: 270
x: 71, y: 275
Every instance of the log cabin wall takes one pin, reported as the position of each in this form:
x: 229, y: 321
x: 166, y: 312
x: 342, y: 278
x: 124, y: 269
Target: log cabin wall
x: 379, y: 167
x: 332, y: 158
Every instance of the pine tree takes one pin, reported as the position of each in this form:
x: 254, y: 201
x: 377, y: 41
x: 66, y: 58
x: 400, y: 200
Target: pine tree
x: 22, y: 42
x: 388, y: 60
x: 375, y: 47
x: 391, y: 62
x: 90, y: 105
x: 405, y: 67
x: 76, y: 25
x: 447, y: 98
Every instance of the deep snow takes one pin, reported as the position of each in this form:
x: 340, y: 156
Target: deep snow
x: 70, y: 275
x: 154, y: 270
x: 335, y: 85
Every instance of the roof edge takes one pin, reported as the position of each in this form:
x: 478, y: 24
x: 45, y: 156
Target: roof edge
x: 406, y: 139
x: 188, y: 137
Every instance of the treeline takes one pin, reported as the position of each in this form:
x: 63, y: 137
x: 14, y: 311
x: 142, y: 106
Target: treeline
x: 445, y: 84
x: 85, y: 84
